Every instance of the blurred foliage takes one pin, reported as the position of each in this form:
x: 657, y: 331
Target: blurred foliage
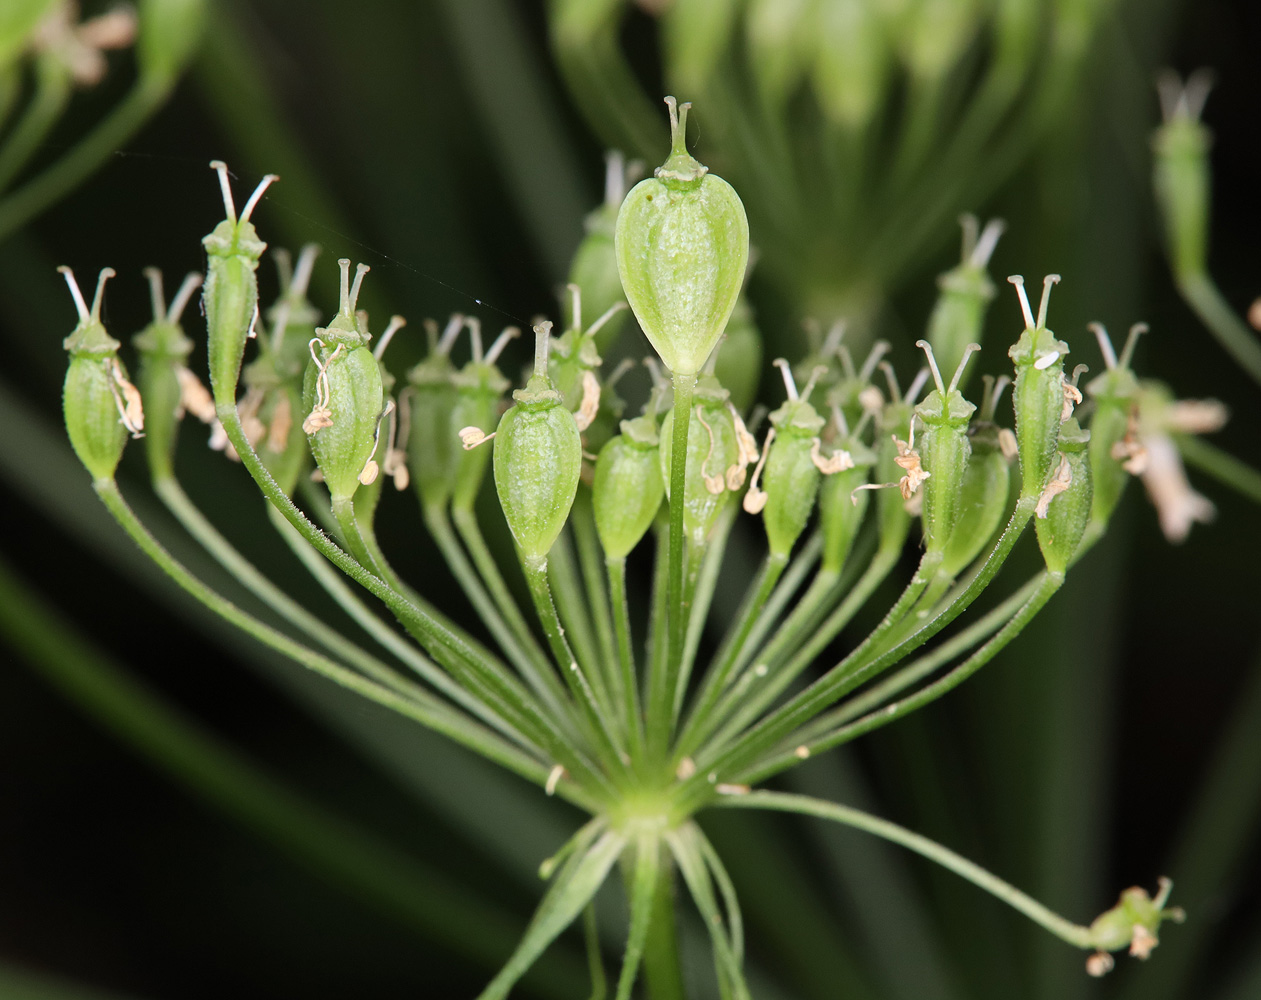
x: 1117, y: 741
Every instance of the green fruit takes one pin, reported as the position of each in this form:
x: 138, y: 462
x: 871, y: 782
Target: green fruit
x: 1038, y: 392
x: 343, y: 397
x: 944, y: 451
x: 682, y: 242
x: 628, y: 486
x: 231, y: 291
x: 99, y: 404
x: 538, y: 458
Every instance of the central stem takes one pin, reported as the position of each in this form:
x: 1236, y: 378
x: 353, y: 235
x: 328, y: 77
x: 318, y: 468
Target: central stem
x: 661, y: 707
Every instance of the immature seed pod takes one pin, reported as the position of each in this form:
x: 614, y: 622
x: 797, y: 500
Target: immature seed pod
x: 897, y: 461
x: 985, y: 489
x: 850, y: 387
x: 944, y: 450
x: 628, y: 487
x: 292, y: 317
x: 479, y: 386
x: 842, y: 505
x: 682, y: 242
x: 164, y: 350
x: 573, y: 355
x: 387, y: 461
x: 1038, y: 391
x: 231, y: 291
x: 1134, y: 923
x: 1063, y: 509
x: 572, y: 366
x: 538, y: 458
x: 343, y: 397
x: 1181, y: 167
x: 958, y: 318
x: 713, y: 451
x: 793, y: 466
x: 1114, y: 446
x: 274, y: 380
x: 100, y: 405
x: 432, y: 444
x: 594, y: 267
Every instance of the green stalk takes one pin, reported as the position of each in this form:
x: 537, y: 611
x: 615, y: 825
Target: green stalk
x: 740, y: 707
x: 634, y: 723
x: 396, y: 884
x: 1047, y: 584
x: 789, y: 583
x: 602, y: 730
x: 411, y: 656
x: 429, y: 711
x: 803, y: 620
x: 1226, y: 469
x: 663, y: 970
x: 1201, y: 293
x: 684, y: 844
x: 54, y: 182
x: 52, y: 93
x: 727, y: 890
x: 643, y: 892
x: 718, y: 676
x: 700, y: 595
x: 530, y: 661
x: 698, y: 560
x: 658, y: 629
x: 1075, y: 934
x: 570, y: 892
x: 591, y: 559
x: 471, y: 534
x: 362, y: 542
x: 662, y: 683
x: 187, y: 513
x: 923, y: 666
x: 595, y: 960
x: 854, y: 670
x: 567, y: 592
x: 448, y: 647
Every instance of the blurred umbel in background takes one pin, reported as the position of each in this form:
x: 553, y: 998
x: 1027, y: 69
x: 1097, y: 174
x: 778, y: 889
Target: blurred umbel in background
x: 457, y: 147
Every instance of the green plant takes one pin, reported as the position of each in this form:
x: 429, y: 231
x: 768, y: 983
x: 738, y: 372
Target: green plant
x: 633, y: 742
x: 788, y: 478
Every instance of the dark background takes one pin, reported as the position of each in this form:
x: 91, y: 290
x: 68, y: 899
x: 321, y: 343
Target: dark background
x: 110, y: 873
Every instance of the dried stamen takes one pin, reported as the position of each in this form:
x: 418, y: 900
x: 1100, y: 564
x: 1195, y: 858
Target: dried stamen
x: 126, y: 397
x: 755, y: 499
x: 195, y: 398
x: 838, y: 461
x: 281, y: 424
x: 1060, y: 480
x: 321, y: 415
x: 590, y: 405
x: 471, y: 437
